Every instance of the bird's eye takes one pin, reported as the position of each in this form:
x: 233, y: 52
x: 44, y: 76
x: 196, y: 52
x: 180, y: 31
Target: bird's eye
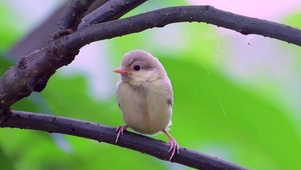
x: 137, y: 67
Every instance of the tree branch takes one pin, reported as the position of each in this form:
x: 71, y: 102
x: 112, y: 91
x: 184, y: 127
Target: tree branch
x: 32, y: 72
x: 111, y: 10
x: 101, y: 133
x: 71, y: 17
x: 36, y: 39
x: 163, y: 17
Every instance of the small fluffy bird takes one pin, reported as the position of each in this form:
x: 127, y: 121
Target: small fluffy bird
x: 145, y: 96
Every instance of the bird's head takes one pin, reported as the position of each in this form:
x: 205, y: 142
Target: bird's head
x: 139, y: 66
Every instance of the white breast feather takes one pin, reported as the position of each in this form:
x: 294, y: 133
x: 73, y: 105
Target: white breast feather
x: 147, y: 113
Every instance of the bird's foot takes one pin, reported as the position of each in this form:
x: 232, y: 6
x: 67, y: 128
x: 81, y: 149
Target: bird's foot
x: 174, y: 146
x: 119, y: 131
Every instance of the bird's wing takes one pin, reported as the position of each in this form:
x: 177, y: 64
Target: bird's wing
x: 170, y: 100
x: 117, y: 93
x: 169, y: 92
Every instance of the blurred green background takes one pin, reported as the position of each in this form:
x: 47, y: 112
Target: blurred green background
x: 236, y: 97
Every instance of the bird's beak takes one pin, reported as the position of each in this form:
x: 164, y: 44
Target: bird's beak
x: 122, y: 71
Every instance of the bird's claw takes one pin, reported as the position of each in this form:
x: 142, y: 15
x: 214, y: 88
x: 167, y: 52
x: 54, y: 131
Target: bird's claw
x: 119, y: 131
x: 174, y: 148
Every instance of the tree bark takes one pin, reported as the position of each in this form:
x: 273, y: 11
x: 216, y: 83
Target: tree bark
x: 77, y: 28
x: 101, y: 133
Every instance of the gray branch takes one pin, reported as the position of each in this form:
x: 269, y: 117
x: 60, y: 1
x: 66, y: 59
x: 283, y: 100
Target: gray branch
x: 32, y: 72
x: 162, y: 17
x: 101, y: 133
x: 111, y: 10
x: 37, y: 38
x: 71, y: 17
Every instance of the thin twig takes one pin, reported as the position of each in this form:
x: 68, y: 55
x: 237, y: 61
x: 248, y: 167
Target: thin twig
x: 101, y: 133
x: 111, y: 10
x: 32, y: 72
x: 71, y: 17
x: 165, y: 16
x: 35, y: 69
x: 36, y: 39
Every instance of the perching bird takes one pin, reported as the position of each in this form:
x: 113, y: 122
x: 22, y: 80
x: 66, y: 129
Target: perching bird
x: 145, y: 96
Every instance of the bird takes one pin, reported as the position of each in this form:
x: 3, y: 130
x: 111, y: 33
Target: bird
x: 145, y: 96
